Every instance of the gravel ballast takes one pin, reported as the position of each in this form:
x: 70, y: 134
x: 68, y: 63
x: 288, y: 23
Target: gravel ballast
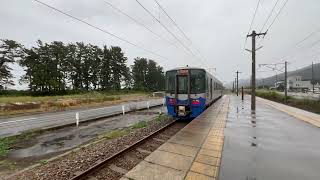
x: 66, y: 166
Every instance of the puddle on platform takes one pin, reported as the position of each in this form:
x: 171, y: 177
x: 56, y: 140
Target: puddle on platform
x: 61, y: 140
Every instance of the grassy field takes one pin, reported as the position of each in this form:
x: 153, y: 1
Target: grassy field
x: 83, y: 96
x: 306, y: 104
x: 13, y: 105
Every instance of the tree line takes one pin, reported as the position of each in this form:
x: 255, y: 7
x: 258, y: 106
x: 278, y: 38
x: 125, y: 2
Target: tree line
x: 57, y: 67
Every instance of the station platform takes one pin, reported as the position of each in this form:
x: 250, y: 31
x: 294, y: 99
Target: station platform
x: 274, y: 142
x: 194, y: 153
x: 230, y: 142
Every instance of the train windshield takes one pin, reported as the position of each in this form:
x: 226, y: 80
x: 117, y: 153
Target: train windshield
x: 197, y: 81
x: 171, y: 81
x: 182, y: 84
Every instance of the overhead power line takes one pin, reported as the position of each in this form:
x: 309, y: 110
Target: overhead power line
x: 276, y: 17
x: 137, y: 22
x: 178, y: 27
x: 270, y: 14
x: 298, y: 46
x: 100, y: 29
x: 307, y: 37
x: 165, y: 12
x: 166, y: 28
x: 252, y: 20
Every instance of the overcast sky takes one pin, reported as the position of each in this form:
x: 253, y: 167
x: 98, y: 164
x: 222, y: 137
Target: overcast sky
x: 217, y: 29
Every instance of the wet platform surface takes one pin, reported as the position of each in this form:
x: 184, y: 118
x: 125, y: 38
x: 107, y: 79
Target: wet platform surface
x: 277, y: 142
x: 193, y: 153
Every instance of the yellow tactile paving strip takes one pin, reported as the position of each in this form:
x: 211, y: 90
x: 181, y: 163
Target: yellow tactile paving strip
x: 207, y: 162
x: 306, y: 116
x: 193, y: 153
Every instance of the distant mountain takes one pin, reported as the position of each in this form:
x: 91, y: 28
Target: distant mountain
x: 305, y: 72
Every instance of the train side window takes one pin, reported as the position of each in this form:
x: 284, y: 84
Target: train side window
x: 197, y: 81
x: 211, y: 88
x: 171, y: 81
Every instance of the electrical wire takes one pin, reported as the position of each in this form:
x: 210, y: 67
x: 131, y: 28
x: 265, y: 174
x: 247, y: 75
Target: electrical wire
x: 137, y: 22
x: 307, y: 37
x: 276, y: 17
x: 302, y: 48
x: 165, y: 12
x: 156, y: 19
x: 179, y: 28
x: 100, y: 29
x: 271, y: 12
x: 252, y: 20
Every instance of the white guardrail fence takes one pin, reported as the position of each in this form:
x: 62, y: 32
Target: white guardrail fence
x: 12, y: 126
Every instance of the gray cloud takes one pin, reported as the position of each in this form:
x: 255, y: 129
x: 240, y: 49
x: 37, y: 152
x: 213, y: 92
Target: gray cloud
x: 216, y: 27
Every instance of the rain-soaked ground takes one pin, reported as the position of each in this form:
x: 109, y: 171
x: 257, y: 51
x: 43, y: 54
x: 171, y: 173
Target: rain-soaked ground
x: 59, y: 141
x: 268, y: 145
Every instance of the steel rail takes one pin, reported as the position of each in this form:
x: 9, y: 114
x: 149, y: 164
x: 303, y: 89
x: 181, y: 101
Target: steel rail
x: 104, y: 162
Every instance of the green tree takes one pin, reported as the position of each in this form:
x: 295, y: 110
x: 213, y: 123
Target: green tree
x: 105, y: 72
x: 58, y: 65
x: 118, y: 67
x: 147, y: 75
x: 95, y: 67
x: 155, y: 76
x: 139, y: 73
x: 9, y: 52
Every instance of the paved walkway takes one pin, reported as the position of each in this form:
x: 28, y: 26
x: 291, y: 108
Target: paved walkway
x: 306, y: 116
x: 194, y: 153
x: 276, y: 142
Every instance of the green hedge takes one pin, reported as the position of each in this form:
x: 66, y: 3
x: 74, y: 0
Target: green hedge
x: 306, y: 104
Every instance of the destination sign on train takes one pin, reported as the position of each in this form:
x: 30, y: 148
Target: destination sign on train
x: 183, y: 71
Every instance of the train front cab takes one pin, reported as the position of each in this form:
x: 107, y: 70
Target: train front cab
x: 186, y: 93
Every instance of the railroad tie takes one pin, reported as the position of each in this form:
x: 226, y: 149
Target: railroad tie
x: 159, y: 140
x: 130, y: 158
x: 166, y: 136
x: 92, y: 178
x: 143, y: 151
x: 115, y: 168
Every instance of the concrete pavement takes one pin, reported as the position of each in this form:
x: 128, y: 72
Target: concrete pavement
x: 276, y: 142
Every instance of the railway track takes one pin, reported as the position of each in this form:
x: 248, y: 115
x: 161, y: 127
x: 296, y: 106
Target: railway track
x: 115, y: 166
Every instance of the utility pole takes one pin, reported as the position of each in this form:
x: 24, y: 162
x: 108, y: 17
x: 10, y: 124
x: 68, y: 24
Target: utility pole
x: 233, y: 86
x: 237, y: 83
x: 285, y: 81
x: 253, y: 78
x: 312, y: 81
x: 242, y: 93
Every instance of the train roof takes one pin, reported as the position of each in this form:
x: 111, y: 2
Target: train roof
x: 178, y: 68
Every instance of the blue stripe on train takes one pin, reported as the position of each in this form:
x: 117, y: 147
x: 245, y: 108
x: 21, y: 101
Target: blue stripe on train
x: 196, y: 109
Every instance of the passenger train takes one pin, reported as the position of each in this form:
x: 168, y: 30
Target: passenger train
x: 189, y: 91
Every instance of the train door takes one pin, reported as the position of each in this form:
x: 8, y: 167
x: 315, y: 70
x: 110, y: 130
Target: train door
x: 182, y: 107
x: 182, y: 86
x: 211, y: 89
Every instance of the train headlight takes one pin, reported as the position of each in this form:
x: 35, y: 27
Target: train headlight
x: 195, y: 102
x: 172, y: 101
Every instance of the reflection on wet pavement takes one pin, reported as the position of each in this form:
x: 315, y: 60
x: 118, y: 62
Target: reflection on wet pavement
x: 268, y: 145
x: 70, y: 137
